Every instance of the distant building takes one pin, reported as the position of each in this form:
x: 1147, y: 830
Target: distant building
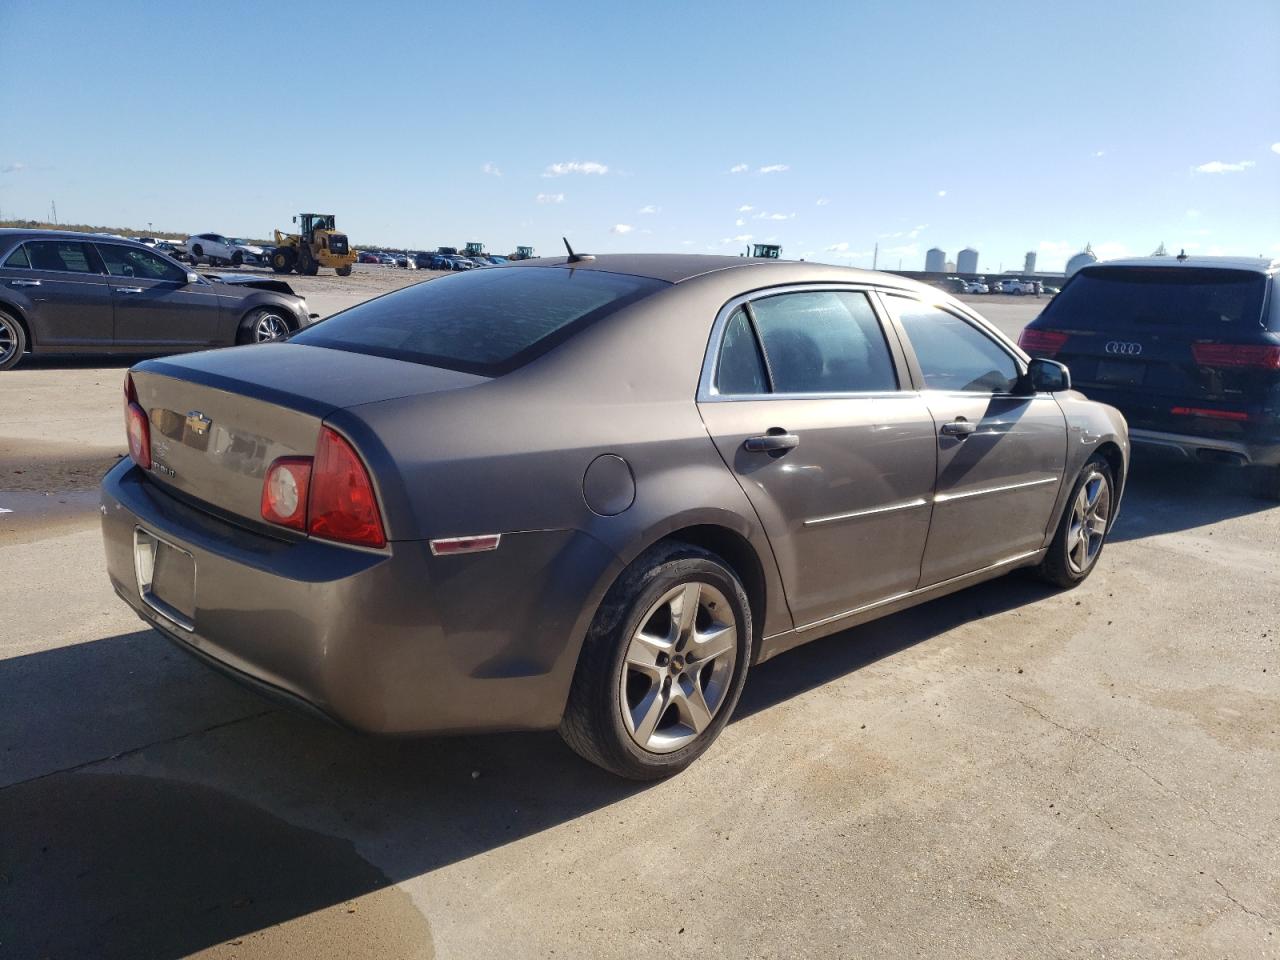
x: 1029, y: 264
x: 950, y: 266
x: 1081, y: 259
x: 935, y: 261
x: 967, y: 261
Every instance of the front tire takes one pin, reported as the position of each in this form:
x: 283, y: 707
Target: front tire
x: 1082, y: 531
x: 13, y: 341
x: 662, y: 666
x: 263, y: 325
x: 283, y: 260
x: 343, y: 271
x: 237, y: 259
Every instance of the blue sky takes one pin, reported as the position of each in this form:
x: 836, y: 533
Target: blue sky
x: 658, y: 126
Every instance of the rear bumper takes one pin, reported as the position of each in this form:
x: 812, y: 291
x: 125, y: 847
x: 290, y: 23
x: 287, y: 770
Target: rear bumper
x: 392, y: 642
x: 1208, y: 449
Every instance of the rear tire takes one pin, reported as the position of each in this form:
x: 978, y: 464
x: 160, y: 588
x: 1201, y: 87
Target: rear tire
x: 344, y: 271
x: 1083, y: 529
x: 13, y: 341
x: 283, y: 260
x: 196, y: 253
x: 237, y: 259
x: 1266, y: 481
x: 662, y: 666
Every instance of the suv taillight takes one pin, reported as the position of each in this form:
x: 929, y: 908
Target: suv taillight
x: 342, y: 505
x: 1042, y: 343
x: 1259, y: 356
x: 136, y: 426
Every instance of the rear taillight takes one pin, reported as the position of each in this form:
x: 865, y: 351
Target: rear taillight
x: 1209, y: 413
x: 1259, y: 356
x: 284, y: 492
x: 342, y: 505
x: 1041, y: 343
x: 136, y: 427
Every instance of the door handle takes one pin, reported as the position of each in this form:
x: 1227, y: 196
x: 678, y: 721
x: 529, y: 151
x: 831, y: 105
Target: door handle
x: 24, y: 283
x: 772, y: 442
x: 959, y: 427
x: 128, y: 289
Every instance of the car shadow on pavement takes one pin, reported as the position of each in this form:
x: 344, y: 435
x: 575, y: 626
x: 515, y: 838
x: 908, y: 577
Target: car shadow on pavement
x: 1165, y: 497
x: 80, y: 361
x: 151, y: 807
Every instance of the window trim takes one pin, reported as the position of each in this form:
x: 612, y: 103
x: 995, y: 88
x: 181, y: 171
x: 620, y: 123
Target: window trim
x: 708, y: 393
x: 978, y: 324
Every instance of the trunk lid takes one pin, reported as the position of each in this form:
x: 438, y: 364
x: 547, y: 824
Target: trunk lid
x: 219, y: 419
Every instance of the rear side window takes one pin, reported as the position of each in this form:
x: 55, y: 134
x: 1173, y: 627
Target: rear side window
x: 18, y: 259
x: 741, y: 368
x: 823, y: 342
x: 487, y: 322
x: 1199, y: 300
x: 65, y: 255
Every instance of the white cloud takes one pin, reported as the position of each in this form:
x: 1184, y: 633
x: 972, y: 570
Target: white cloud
x: 550, y: 198
x: 1099, y: 153
x: 649, y: 208
x: 942, y: 193
x: 13, y: 168
x: 1111, y: 250
x: 491, y: 169
x: 904, y: 234
x: 1192, y: 214
x: 822, y: 202
x: 1217, y: 166
x: 903, y: 251
x: 775, y: 168
x: 739, y: 222
x: 739, y: 168
x: 686, y: 243
x: 1275, y: 148
x: 621, y: 228
x: 841, y: 247
x: 575, y: 166
x: 773, y: 216
x: 1057, y: 248
x: 745, y: 207
x: 740, y: 238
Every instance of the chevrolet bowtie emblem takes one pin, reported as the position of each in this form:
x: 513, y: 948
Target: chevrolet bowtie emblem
x: 198, y: 423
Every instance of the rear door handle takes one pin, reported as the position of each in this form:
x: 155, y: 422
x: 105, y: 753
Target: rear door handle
x: 24, y: 283
x: 128, y: 289
x: 772, y: 442
x: 959, y: 427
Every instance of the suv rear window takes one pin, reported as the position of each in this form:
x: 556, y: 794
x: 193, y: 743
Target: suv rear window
x: 1200, y: 300
x: 487, y: 322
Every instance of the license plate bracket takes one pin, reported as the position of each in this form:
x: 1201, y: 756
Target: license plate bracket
x: 1124, y: 372
x: 166, y: 578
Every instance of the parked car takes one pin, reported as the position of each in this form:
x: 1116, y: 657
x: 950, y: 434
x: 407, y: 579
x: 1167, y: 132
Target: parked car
x: 386, y: 259
x: 71, y: 293
x: 424, y: 261
x: 976, y: 286
x: 218, y: 249
x: 1187, y: 348
x: 367, y: 256
x: 611, y: 576
x: 406, y: 261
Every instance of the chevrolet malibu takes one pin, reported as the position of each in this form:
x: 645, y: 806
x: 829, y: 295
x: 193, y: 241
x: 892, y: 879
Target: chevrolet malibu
x: 590, y: 493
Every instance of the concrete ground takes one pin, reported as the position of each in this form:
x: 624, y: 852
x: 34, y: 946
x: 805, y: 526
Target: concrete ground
x: 1009, y: 772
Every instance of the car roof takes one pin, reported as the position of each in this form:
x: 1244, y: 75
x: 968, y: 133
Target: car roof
x: 38, y: 234
x: 679, y: 267
x: 1254, y: 264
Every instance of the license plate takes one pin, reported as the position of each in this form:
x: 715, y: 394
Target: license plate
x: 166, y: 578
x: 1124, y: 372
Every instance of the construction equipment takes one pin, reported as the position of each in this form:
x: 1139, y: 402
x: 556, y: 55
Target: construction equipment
x: 769, y: 251
x: 522, y: 253
x: 474, y: 249
x: 316, y: 244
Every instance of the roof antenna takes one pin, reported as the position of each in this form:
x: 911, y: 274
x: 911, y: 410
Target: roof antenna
x: 1182, y: 254
x: 576, y: 257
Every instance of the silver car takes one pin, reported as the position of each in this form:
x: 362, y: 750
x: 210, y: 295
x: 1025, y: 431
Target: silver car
x: 590, y: 493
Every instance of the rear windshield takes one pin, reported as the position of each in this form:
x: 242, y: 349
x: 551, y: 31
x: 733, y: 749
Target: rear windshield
x: 1200, y: 300
x: 486, y: 321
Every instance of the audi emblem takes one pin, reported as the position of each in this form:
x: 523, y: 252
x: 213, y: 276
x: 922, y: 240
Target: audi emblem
x: 1123, y: 349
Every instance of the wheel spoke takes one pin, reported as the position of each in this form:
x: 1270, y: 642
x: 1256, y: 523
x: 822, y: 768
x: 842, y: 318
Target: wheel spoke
x: 684, y: 611
x: 712, y: 643
x: 692, y: 705
x: 643, y: 653
x: 646, y: 714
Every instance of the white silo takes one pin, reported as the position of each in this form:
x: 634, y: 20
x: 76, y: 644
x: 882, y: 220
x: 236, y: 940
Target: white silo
x: 1081, y: 259
x: 1029, y: 264
x: 967, y: 261
x: 935, y: 261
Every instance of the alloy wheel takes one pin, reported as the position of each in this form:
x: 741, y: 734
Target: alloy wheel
x: 8, y: 340
x: 1089, y: 516
x: 268, y: 327
x: 678, y: 667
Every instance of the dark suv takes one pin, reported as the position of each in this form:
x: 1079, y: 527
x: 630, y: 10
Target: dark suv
x: 1187, y: 348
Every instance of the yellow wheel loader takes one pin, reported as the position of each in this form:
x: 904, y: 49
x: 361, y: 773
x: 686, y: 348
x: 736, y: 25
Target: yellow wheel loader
x: 316, y: 244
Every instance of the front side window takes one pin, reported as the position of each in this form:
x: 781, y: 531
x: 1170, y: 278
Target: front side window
x: 953, y: 354
x: 18, y: 259
x: 140, y: 264
x: 69, y: 256
x: 823, y: 341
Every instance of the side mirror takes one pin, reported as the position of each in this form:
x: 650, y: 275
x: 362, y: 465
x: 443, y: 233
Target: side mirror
x: 193, y: 277
x: 1047, y: 376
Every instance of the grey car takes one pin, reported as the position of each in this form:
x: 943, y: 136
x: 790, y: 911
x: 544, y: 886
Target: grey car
x: 589, y: 493
x: 63, y: 292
